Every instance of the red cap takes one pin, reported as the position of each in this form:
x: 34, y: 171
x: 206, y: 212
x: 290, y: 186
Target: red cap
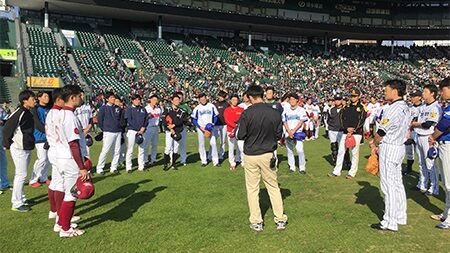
x: 84, y: 190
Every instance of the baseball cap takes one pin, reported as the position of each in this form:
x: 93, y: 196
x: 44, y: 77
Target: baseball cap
x: 338, y: 96
x: 355, y: 92
x: 415, y: 93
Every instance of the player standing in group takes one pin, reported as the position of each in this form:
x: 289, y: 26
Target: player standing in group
x: 70, y: 162
x: 174, y: 120
x: 182, y: 145
x: 352, y: 120
x: 136, y: 119
x: 39, y: 174
x: 441, y: 136
x: 123, y: 127
x: 372, y: 110
x: 18, y: 137
x: 205, y: 113
x: 389, y: 140
x: 430, y: 113
x: 220, y: 129
x: 316, y: 118
x: 414, y: 108
x: 109, y: 121
x: 293, y: 119
x: 151, y: 134
x: 232, y: 114
x: 325, y: 113
x: 84, y: 115
x: 334, y: 126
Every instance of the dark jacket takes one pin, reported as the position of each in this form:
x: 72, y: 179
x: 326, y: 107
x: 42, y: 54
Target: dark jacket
x: 177, y: 116
x: 109, y: 118
x: 221, y: 106
x: 353, y: 115
x: 136, y: 117
x: 334, y: 119
x: 22, y: 121
x: 260, y: 127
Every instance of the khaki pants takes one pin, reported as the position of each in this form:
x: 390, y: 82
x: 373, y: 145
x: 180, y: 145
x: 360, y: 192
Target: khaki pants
x: 255, y: 167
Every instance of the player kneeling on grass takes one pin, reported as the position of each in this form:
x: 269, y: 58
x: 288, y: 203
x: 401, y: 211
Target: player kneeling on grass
x: 18, y: 137
x: 389, y: 140
x: 70, y: 162
x: 260, y: 128
x: 293, y: 118
x: 137, y: 120
x: 441, y: 137
x: 232, y: 114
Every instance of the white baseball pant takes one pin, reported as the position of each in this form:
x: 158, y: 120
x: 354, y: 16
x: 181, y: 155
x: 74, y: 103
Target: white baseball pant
x: 181, y: 146
x: 40, y: 168
x: 444, y: 157
x: 391, y: 182
x: 57, y: 182
x: 172, y: 146
x: 221, y: 135
x: 341, y: 153
x: 335, y: 136
x: 110, y: 140
x: 151, y: 138
x: 298, y: 145
x: 240, y: 144
x: 131, y: 136
x: 69, y: 172
x: 316, y: 131
x: 21, y: 159
x: 232, y: 146
x: 429, y: 172
x: 201, y: 148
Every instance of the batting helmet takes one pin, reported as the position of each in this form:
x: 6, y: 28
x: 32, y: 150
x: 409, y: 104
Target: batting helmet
x: 83, y: 189
x: 299, y: 136
x: 209, y: 127
x: 99, y: 137
x: 139, y: 139
x: 89, y: 141
x: 432, y: 153
x: 176, y: 136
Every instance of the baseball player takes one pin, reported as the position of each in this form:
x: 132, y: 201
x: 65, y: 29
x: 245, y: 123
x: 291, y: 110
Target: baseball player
x: 429, y: 115
x: 40, y: 169
x: 220, y: 129
x: 352, y: 120
x: 119, y: 103
x: 55, y: 190
x: 231, y: 115
x: 151, y: 134
x: 187, y: 111
x: 316, y: 118
x: 4, y: 181
x: 293, y: 119
x: 414, y: 108
x: 390, y: 139
x: 203, y: 114
x: 136, y: 118
x: 18, y: 137
x: 84, y: 115
x: 309, y: 124
x: 69, y: 160
x: 441, y: 136
x: 174, y: 121
x: 334, y: 125
x: 109, y: 121
x: 245, y: 101
x: 372, y: 109
x: 325, y: 114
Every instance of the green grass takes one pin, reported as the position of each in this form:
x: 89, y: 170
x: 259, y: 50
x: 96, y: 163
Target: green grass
x: 205, y: 209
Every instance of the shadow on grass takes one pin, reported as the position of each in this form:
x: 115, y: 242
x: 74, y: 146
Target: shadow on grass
x: 124, y: 210
x: 329, y: 159
x: 420, y: 198
x: 38, y: 199
x: 122, y: 192
x: 264, y: 199
x: 370, y: 195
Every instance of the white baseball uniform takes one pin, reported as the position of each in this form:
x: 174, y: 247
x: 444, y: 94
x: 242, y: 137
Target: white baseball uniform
x: 316, y: 112
x: 205, y: 114
x: 395, y: 124
x: 414, y: 110
x: 53, y: 124
x: 151, y: 134
x: 84, y: 115
x: 292, y: 117
x: 429, y: 173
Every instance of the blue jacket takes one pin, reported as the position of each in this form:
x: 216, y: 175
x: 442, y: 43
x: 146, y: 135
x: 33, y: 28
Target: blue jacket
x: 39, y: 115
x: 444, y: 125
x: 108, y: 118
x: 136, y: 117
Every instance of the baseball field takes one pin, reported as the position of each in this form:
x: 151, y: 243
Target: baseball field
x: 199, y: 209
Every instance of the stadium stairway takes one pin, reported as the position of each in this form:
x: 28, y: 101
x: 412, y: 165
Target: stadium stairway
x: 5, y: 96
x: 13, y: 88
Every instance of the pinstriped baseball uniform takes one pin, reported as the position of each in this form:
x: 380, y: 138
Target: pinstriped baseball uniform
x: 429, y: 173
x: 414, y: 110
x: 395, y: 124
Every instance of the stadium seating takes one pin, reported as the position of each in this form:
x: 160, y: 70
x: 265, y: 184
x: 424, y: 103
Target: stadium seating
x: 4, y: 92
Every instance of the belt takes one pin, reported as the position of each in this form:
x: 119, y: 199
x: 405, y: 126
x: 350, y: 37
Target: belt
x: 154, y: 126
